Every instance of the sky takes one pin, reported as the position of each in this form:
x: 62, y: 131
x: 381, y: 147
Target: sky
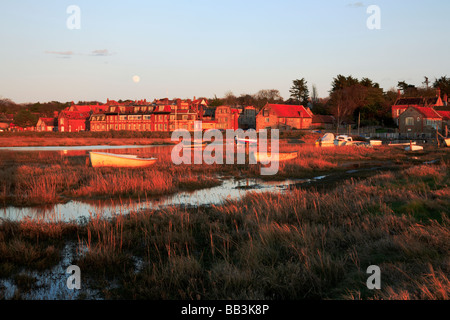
x: 185, y: 48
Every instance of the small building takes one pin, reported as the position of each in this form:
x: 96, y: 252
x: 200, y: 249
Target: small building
x: 47, y: 124
x: 403, y: 103
x: 73, y: 121
x: 283, y: 117
x: 419, y: 120
x: 320, y: 121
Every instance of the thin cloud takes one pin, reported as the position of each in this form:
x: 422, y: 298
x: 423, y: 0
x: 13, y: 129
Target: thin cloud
x: 356, y: 5
x: 61, y: 53
x: 100, y: 53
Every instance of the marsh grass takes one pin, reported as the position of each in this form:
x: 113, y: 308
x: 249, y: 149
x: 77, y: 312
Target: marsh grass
x: 305, y: 243
x: 302, y: 244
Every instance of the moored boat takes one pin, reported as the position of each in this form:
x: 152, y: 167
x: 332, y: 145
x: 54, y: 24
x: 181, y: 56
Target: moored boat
x: 413, y: 148
x: 103, y: 159
x: 326, y: 141
x: 267, y: 157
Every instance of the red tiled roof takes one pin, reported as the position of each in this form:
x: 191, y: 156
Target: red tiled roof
x: 290, y: 111
x: 428, y: 112
x: 74, y: 115
x: 444, y: 114
x: 48, y: 121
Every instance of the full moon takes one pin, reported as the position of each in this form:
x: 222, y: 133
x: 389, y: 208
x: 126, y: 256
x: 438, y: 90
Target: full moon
x: 136, y: 79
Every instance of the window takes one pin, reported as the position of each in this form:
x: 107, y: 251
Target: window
x: 265, y: 113
x: 409, y: 121
x: 267, y: 120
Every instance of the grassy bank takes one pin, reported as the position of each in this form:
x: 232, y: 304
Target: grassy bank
x: 86, y: 138
x: 302, y: 244
x: 36, y: 178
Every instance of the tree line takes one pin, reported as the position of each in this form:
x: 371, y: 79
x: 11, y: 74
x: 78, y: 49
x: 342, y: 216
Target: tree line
x: 350, y: 99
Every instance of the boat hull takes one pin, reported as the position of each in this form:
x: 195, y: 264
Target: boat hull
x: 447, y: 142
x: 414, y: 148
x: 266, y: 157
x: 101, y: 159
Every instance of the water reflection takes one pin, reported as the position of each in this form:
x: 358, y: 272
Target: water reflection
x: 76, y: 210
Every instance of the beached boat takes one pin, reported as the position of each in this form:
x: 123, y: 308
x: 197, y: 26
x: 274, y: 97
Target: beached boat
x: 267, y: 157
x: 103, y: 159
x: 343, y: 140
x: 326, y: 141
x: 376, y: 142
x: 401, y: 144
x: 413, y: 148
x: 447, y: 142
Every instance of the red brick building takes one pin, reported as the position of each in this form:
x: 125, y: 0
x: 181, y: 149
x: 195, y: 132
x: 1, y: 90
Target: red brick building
x: 419, y: 120
x: 283, y: 117
x: 73, y: 121
x: 403, y: 103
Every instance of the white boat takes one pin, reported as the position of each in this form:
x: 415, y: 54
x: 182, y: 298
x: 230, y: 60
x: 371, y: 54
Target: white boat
x: 343, y: 140
x: 103, y: 159
x: 413, y: 148
x: 267, y: 157
x: 326, y: 140
x: 376, y: 142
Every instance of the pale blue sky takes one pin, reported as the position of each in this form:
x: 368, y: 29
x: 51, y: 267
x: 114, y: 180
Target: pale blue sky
x: 189, y: 48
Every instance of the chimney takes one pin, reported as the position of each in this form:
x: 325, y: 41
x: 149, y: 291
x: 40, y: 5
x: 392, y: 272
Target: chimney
x: 438, y: 92
x: 399, y: 93
x: 445, y: 100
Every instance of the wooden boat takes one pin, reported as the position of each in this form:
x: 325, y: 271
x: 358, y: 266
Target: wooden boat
x: 401, y: 144
x: 267, y: 157
x: 413, y: 148
x: 103, y: 159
